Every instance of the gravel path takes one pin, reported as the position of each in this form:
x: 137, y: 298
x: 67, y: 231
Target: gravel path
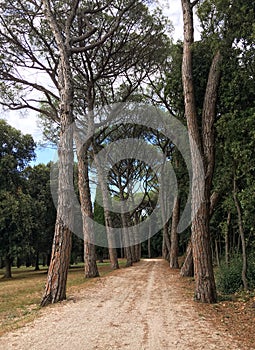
x: 139, y: 308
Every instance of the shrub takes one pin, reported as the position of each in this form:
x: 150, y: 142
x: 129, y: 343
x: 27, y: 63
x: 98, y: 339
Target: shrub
x: 251, y: 271
x: 229, y: 277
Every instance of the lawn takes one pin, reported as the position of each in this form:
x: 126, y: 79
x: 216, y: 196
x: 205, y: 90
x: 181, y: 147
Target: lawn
x: 20, y: 296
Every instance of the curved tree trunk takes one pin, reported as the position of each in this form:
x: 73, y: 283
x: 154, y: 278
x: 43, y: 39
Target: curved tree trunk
x: 166, y: 245
x: 205, y: 289
x: 187, y: 269
x: 90, y: 265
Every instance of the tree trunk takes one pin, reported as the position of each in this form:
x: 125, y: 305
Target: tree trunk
x: 166, y: 245
x: 166, y: 242
x: 8, y: 267
x: 128, y: 257
x: 37, y: 268
x: 18, y: 264
x: 138, y: 252
x: 174, y: 250
x: 107, y: 214
x: 227, y: 239
x: 55, y: 289
x: 90, y: 265
x: 217, y: 253
x: 128, y: 251
x: 149, y: 248
x: 126, y: 229
x: 202, y: 258
x: 205, y: 289
x: 242, y: 237
x: 187, y: 269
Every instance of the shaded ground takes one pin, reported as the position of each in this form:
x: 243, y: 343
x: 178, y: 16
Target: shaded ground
x: 144, y: 307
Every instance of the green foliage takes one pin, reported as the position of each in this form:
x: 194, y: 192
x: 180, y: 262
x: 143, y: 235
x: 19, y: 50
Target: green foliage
x: 16, y: 150
x: 229, y: 277
x: 15, y: 222
x: 43, y: 210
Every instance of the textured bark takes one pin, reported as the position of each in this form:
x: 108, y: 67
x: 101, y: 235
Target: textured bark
x: 128, y: 255
x: 90, y: 265
x: 55, y: 289
x: 138, y: 252
x: 187, y: 269
x: 213, y: 202
x: 205, y: 289
x: 57, y: 273
x: 174, y: 250
x: 133, y: 253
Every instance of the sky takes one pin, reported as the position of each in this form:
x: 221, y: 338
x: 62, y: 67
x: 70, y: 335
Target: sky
x: 28, y: 122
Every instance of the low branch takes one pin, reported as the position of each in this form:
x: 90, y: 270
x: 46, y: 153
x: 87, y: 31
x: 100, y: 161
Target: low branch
x: 194, y: 3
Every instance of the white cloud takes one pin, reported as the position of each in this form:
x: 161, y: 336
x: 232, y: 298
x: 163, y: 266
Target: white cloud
x: 173, y: 10
x: 27, y: 124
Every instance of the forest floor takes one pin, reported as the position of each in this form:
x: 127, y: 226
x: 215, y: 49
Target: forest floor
x: 147, y: 306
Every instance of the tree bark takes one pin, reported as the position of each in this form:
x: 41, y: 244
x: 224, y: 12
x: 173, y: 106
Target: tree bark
x: 227, y: 239
x: 174, y: 250
x: 125, y: 227
x: 37, y: 268
x: 217, y: 257
x: 149, y: 248
x: 205, y: 289
x: 242, y: 236
x: 187, y: 269
x: 8, y: 267
x: 55, y: 289
x: 107, y: 214
x: 90, y: 265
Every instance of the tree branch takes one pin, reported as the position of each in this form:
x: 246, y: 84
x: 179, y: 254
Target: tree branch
x: 194, y: 3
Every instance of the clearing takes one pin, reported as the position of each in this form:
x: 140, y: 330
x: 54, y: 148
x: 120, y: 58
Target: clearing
x: 145, y: 307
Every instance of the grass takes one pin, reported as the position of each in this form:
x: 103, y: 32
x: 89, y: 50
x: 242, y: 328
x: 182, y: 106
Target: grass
x: 20, y: 296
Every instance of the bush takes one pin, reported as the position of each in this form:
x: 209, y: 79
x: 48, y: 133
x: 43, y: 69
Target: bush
x: 229, y: 277
x: 251, y: 271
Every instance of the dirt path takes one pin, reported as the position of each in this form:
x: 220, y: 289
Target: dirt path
x: 139, y: 308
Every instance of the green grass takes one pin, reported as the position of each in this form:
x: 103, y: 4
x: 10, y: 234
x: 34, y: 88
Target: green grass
x: 20, y: 296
